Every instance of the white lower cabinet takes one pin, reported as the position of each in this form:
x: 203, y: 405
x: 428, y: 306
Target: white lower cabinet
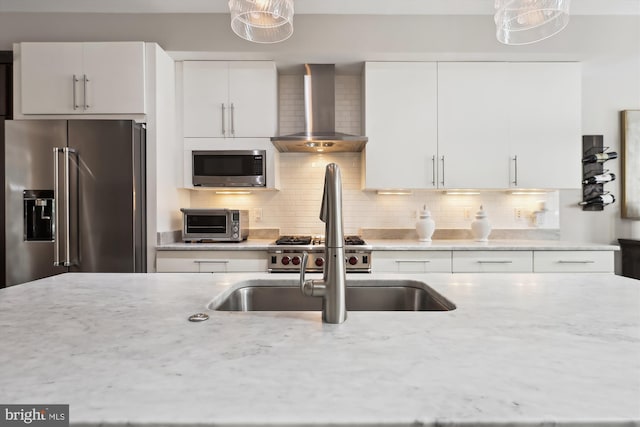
x: 411, y: 262
x: 492, y: 262
x: 211, y: 261
x: 573, y: 262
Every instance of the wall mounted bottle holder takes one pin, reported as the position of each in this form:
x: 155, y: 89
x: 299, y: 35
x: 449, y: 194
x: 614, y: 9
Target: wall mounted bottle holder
x: 592, y: 145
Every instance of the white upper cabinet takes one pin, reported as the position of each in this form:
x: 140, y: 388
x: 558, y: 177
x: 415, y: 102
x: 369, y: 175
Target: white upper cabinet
x: 545, y: 125
x: 488, y: 125
x: 473, y: 125
x: 82, y: 78
x: 223, y: 99
x: 401, y: 124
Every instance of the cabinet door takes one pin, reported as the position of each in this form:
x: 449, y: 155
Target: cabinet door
x: 545, y: 125
x: 401, y: 124
x: 47, y: 78
x: 472, y: 125
x: 411, y: 261
x: 115, y: 78
x: 492, y: 262
x: 205, y: 96
x: 573, y: 261
x: 253, y: 99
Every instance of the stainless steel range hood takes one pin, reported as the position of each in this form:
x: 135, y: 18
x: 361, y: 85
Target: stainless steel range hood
x: 320, y: 117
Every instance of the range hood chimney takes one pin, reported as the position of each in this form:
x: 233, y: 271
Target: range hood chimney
x: 320, y: 134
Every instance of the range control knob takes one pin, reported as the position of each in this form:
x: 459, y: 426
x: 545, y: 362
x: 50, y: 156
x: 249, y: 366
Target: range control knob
x: 353, y: 260
x: 285, y: 260
x: 319, y: 262
x: 295, y: 260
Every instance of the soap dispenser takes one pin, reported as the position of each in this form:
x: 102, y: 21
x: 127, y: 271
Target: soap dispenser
x: 425, y: 226
x: 480, y: 227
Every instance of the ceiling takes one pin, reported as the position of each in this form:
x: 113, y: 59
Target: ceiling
x: 359, y: 7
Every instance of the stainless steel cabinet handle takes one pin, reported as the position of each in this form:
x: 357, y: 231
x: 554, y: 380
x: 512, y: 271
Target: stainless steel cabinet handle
x: 211, y: 261
x: 233, y: 125
x: 75, y: 104
x: 515, y: 180
x: 442, y: 182
x: 506, y: 261
x: 576, y: 262
x: 398, y: 261
x: 433, y: 170
x: 224, y: 130
x: 86, y: 80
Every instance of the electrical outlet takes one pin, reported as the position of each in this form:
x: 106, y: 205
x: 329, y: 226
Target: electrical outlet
x: 517, y: 213
x: 257, y: 214
x: 466, y: 212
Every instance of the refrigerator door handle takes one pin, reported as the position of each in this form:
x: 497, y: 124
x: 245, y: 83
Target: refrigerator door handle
x: 56, y: 206
x: 57, y: 237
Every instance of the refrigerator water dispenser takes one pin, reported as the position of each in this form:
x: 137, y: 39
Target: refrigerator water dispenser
x: 38, y: 215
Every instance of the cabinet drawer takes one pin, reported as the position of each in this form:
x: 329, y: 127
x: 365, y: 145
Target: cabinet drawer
x: 492, y: 261
x: 573, y: 261
x: 411, y: 262
x: 211, y: 261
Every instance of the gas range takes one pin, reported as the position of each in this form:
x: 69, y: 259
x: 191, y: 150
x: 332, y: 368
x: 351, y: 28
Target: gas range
x: 286, y: 255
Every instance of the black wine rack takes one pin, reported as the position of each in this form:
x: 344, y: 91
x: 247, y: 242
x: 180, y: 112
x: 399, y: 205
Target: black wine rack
x: 592, y: 144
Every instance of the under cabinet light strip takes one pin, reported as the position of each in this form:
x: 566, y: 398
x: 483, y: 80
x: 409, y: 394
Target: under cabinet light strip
x: 232, y: 192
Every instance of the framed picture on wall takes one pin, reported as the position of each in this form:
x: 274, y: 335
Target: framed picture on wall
x: 630, y: 120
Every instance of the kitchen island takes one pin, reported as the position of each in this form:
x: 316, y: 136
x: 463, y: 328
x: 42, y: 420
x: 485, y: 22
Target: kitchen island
x: 519, y: 349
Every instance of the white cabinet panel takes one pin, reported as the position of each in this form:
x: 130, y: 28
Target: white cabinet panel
x: 472, y: 125
x: 82, y: 78
x: 401, y: 124
x: 411, y: 261
x: 211, y: 261
x: 573, y: 261
x: 492, y: 262
x: 206, y: 93
x: 224, y: 99
x: 545, y: 125
x: 253, y: 98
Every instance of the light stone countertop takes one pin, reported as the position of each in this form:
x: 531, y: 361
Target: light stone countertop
x: 519, y: 350
x: 404, y: 245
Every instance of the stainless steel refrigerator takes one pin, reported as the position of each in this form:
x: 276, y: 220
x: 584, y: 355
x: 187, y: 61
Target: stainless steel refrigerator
x: 75, y: 194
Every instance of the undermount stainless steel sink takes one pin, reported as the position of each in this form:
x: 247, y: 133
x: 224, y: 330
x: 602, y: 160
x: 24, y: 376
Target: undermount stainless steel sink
x: 362, y: 295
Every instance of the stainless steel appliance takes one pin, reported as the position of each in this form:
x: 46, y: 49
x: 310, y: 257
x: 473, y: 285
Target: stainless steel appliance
x: 75, y: 197
x: 286, y: 256
x: 215, y: 225
x: 320, y: 117
x: 231, y: 168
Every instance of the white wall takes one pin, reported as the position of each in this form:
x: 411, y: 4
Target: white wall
x: 609, y: 48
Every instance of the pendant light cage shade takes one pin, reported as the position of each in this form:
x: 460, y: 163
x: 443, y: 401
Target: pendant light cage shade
x: 528, y: 21
x: 262, y: 21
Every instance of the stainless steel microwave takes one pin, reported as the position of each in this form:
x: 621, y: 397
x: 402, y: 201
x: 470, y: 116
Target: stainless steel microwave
x: 215, y: 225
x: 231, y: 168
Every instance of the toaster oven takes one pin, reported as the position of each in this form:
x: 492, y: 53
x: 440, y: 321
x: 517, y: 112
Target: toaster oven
x: 214, y: 225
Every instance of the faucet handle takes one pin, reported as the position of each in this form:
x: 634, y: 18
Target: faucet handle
x: 303, y: 269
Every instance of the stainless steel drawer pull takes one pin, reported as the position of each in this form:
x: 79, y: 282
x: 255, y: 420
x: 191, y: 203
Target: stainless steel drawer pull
x: 224, y: 130
x: 75, y: 82
x: 506, y: 261
x: 433, y: 170
x: 211, y: 261
x: 576, y: 262
x: 412, y: 260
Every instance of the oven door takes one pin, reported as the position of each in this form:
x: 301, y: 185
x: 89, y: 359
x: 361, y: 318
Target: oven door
x: 213, y: 226
x: 234, y: 168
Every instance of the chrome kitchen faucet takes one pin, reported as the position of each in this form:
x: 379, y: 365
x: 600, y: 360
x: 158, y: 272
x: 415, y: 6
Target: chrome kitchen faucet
x: 332, y: 287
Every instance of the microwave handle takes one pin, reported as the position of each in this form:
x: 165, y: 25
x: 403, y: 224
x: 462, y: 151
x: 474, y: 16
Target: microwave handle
x: 224, y: 130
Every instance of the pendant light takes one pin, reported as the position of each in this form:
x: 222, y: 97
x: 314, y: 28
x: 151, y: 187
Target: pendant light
x: 262, y: 21
x: 521, y: 22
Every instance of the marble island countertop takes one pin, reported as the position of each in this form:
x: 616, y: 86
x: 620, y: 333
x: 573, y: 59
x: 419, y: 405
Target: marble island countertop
x: 405, y: 244
x: 519, y: 350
